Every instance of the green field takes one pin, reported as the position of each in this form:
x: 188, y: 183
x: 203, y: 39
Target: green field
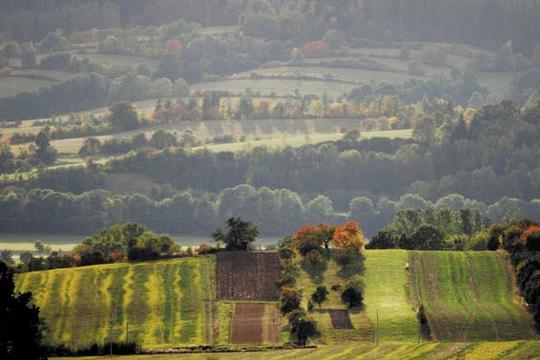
x: 517, y: 350
x: 386, y: 298
x: 468, y: 296
x: 280, y: 87
x: 385, y: 281
x: 341, y: 74
x: 155, y: 304
x: 12, y: 85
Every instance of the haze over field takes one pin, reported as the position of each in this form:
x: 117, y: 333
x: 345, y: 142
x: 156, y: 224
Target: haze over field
x: 340, y: 179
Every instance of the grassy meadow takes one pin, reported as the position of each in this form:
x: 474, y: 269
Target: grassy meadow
x: 468, y: 296
x: 516, y: 350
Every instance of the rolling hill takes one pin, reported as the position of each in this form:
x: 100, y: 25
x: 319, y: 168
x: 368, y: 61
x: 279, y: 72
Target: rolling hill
x: 468, y: 297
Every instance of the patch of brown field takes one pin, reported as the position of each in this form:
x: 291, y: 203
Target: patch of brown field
x: 243, y: 275
x: 247, y: 324
x: 340, y: 319
x: 272, y: 325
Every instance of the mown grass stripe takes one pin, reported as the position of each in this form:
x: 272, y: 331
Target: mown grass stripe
x: 190, y: 306
x: 138, y: 307
x: 61, y: 331
x: 468, y: 296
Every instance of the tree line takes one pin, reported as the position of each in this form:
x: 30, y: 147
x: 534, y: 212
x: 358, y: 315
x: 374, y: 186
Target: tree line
x: 275, y: 212
x: 491, y: 156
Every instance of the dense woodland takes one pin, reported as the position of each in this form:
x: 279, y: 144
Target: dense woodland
x: 489, y: 164
x: 485, y: 22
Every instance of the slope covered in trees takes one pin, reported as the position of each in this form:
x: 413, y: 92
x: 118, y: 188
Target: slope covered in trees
x: 486, y: 22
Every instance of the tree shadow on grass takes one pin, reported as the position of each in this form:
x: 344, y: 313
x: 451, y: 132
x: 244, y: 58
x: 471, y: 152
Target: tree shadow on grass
x: 356, y: 267
x: 315, y: 271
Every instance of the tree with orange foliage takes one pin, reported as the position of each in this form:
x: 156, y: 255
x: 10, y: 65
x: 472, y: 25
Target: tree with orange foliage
x: 349, y: 236
x: 313, y: 237
x: 308, y: 238
x: 531, y: 237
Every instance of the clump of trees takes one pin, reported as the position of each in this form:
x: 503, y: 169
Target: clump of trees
x: 121, y: 242
x: 434, y: 229
x: 521, y: 239
x: 21, y: 330
x: 239, y: 235
x: 352, y: 293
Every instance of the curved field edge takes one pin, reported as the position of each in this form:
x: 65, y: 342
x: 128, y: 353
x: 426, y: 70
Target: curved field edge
x: 468, y: 296
x: 515, y: 350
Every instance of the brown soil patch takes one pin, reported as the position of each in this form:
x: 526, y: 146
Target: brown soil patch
x: 243, y: 275
x: 247, y: 324
x: 340, y: 319
x: 273, y: 325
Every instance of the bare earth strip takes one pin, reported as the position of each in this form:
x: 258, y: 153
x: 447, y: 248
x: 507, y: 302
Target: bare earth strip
x: 247, y: 326
x: 340, y: 319
x: 245, y: 275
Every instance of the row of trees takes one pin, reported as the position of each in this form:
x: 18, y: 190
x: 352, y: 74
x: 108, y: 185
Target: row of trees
x: 275, y: 212
x: 486, y: 159
x: 434, y: 229
x: 521, y: 239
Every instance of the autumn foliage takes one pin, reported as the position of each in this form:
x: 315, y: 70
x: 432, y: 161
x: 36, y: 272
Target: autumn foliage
x: 349, y: 236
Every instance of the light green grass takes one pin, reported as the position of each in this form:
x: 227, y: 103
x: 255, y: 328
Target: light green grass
x: 278, y: 86
x: 11, y: 85
x: 341, y: 74
x: 161, y: 303
x: 366, y: 351
x: 386, y: 282
x: 469, y: 296
x: 115, y: 59
x: 300, y: 140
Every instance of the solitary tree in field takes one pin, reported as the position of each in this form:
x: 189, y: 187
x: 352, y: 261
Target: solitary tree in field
x: 352, y: 294
x: 320, y: 295
x: 302, y: 327
x: 238, y: 235
x: 20, y: 326
x: 123, y: 116
x: 289, y: 300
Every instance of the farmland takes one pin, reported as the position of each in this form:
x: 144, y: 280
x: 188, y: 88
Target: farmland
x: 223, y: 300
x: 11, y: 85
x: 388, y: 312
x: 516, y: 350
x: 468, y: 296
x: 155, y: 304
x: 247, y: 276
x: 256, y: 323
x: 280, y: 87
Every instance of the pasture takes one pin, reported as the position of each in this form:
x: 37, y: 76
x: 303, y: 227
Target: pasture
x: 388, y: 313
x: 468, y: 296
x: 280, y: 87
x: 156, y: 304
x: 516, y: 350
x: 13, y: 85
x: 332, y: 74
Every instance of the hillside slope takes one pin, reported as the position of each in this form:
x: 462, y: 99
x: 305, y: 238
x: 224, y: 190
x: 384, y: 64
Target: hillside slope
x: 172, y: 303
x: 158, y: 303
x: 468, y: 296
